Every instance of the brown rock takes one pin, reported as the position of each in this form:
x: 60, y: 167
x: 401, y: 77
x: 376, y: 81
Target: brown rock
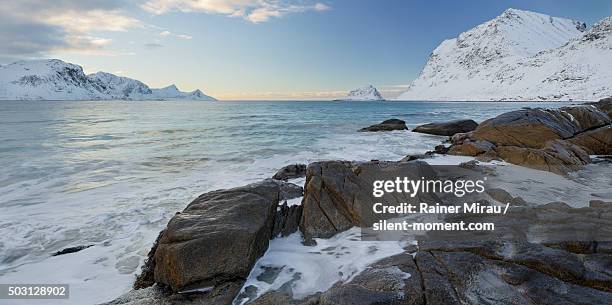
x: 532, y: 128
x: 557, y: 156
x: 595, y: 142
x: 471, y: 148
x: 526, y: 128
x: 586, y: 117
x: 458, y: 138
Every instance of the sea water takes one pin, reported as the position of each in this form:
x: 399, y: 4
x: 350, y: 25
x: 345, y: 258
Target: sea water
x: 112, y: 173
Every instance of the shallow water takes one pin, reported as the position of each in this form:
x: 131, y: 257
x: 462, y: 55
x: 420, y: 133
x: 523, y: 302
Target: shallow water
x: 111, y: 173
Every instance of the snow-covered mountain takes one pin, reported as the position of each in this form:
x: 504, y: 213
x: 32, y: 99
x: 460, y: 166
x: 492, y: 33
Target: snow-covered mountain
x: 520, y: 55
x: 367, y: 93
x: 173, y: 93
x: 53, y: 79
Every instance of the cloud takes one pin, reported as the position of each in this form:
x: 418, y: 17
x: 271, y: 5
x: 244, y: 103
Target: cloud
x: 255, y: 11
x: 320, y: 7
x: 179, y: 36
x: 153, y: 45
x: 36, y: 27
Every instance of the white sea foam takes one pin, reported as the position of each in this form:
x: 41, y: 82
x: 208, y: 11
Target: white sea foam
x: 305, y: 270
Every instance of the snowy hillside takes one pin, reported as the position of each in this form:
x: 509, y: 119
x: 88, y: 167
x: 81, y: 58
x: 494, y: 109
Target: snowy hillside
x: 367, y: 93
x: 519, y: 55
x: 54, y: 79
x: 120, y: 87
x: 173, y: 93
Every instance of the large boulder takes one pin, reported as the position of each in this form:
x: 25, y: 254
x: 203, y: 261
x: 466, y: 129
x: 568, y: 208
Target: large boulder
x: 557, y: 140
x: 338, y: 194
x: 387, y: 125
x: 447, y: 128
x: 207, y: 251
x: 532, y: 128
x: 529, y: 128
x: 216, y: 240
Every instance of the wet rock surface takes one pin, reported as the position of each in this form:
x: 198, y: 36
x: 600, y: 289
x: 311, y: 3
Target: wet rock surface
x: 71, y: 250
x: 387, y: 125
x: 447, y: 128
x: 338, y: 194
x: 287, y: 220
x: 290, y: 172
x: 460, y: 273
x: 289, y: 190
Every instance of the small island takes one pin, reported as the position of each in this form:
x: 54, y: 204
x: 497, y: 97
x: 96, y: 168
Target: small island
x: 367, y: 93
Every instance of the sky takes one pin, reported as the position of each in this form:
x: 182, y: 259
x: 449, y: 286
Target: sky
x: 255, y: 49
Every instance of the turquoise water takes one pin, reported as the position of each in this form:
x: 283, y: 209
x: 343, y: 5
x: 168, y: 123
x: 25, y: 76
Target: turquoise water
x: 111, y: 173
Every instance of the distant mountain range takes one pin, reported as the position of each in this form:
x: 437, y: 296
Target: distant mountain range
x: 520, y: 55
x: 53, y: 79
x: 367, y: 93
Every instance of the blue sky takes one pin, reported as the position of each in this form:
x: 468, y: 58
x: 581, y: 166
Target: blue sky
x: 255, y: 49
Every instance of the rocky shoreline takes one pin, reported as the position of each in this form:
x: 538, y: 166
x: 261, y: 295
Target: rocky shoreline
x: 207, y: 251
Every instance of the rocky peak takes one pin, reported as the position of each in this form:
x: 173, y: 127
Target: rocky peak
x: 172, y: 87
x: 367, y: 93
x: 601, y: 29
